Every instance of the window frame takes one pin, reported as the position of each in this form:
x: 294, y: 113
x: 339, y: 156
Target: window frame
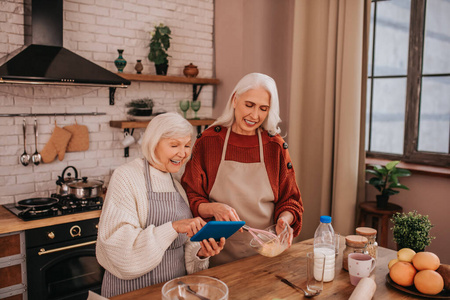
x: 413, y: 94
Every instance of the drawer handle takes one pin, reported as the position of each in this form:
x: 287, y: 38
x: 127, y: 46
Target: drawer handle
x: 43, y: 251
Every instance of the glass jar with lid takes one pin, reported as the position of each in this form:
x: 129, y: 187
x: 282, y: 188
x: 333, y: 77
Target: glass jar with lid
x: 371, y: 235
x: 353, y: 244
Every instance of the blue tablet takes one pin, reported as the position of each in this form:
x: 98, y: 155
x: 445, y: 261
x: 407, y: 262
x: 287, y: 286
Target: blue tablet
x: 217, y: 229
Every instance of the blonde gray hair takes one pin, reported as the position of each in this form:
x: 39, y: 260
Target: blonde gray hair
x: 167, y: 125
x: 249, y: 82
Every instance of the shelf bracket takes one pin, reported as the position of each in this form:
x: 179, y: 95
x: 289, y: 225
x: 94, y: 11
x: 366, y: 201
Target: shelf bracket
x: 112, y: 92
x: 195, y: 92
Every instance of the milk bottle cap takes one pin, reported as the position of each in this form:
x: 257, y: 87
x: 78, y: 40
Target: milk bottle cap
x: 325, y: 219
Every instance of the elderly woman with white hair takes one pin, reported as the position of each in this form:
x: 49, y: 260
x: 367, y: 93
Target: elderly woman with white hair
x: 146, y: 221
x: 241, y: 168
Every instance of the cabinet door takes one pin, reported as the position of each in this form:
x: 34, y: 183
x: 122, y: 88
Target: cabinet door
x: 9, y: 245
x: 12, y: 267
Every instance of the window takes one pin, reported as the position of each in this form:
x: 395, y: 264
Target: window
x: 408, y: 86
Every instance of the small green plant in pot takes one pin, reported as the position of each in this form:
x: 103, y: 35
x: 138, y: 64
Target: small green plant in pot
x: 386, y: 181
x: 159, y: 44
x: 412, y: 230
x: 140, y: 107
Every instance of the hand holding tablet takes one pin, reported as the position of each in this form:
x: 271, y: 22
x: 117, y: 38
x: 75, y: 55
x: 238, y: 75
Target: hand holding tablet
x: 217, y: 229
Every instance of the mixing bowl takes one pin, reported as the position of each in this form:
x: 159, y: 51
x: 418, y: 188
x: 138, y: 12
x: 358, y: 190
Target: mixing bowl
x: 274, y: 247
x: 185, y: 287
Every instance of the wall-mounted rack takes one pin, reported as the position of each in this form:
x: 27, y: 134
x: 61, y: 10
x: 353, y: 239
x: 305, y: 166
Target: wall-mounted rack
x: 53, y: 115
x: 126, y: 125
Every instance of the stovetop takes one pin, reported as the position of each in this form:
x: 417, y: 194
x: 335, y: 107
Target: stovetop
x: 66, y: 205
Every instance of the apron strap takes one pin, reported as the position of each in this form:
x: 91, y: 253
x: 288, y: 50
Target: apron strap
x: 147, y: 176
x: 227, y: 136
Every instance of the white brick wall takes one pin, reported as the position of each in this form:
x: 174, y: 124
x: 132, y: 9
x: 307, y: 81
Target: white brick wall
x: 95, y: 30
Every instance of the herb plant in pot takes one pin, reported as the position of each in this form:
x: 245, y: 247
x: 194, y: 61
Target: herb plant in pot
x: 412, y: 230
x: 385, y: 180
x: 159, y: 44
x: 140, y: 109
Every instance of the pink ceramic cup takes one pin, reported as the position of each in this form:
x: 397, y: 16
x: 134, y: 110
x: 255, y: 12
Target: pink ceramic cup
x: 359, y: 266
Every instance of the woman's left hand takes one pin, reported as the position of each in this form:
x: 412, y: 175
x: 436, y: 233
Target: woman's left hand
x: 282, y: 223
x: 210, y: 247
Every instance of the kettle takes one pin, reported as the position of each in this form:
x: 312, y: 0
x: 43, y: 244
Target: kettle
x: 62, y: 187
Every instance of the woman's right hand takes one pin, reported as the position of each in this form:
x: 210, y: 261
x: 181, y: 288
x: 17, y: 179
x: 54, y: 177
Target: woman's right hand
x: 220, y: 212
x: 188, y: 226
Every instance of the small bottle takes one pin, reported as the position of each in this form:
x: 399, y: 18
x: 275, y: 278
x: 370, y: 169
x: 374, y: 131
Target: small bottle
x: 324, y: 242
x: 353, y: 244
x: 371, y: 235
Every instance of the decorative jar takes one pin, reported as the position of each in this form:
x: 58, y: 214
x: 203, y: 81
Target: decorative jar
x: 371, y: 235
x: 190, y: 70
x: 353, y: 244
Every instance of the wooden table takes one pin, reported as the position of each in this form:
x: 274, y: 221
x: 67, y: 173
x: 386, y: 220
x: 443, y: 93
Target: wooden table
x: 254, y: 277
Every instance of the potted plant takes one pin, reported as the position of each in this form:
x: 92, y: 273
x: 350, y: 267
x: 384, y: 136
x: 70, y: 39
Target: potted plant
x: 386, y: 181
x: 159, y: 44
x: 140, y: 108
x: 412, y: 230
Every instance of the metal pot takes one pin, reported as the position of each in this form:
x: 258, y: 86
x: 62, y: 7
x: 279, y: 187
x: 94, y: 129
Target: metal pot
x: 62, y: 188
x: 85, y: 188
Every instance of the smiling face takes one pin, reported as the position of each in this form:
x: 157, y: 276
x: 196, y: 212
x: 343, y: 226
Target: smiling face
x: 250, y: 110
x: 172, y: 153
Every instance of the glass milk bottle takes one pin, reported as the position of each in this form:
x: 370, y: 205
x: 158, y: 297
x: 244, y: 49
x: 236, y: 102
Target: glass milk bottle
x: 324, y: 243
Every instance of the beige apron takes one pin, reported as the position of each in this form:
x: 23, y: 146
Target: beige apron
x: 246, y: 188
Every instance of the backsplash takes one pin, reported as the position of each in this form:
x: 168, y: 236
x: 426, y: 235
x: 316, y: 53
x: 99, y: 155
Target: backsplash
x: 95, y: 30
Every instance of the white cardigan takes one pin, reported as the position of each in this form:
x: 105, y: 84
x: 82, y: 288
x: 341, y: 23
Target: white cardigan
x: 124, y: 247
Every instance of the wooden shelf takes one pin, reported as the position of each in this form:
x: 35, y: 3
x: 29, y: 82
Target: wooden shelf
x: 197, y: 83
x: 169, y: 79
x: 125, y: 124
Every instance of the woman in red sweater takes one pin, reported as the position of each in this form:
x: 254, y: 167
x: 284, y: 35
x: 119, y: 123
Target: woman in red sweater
x: 240, y: 168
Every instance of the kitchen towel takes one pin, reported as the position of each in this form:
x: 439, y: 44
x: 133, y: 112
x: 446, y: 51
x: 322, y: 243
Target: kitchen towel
x: 56, y: 145
x: 80, y: 138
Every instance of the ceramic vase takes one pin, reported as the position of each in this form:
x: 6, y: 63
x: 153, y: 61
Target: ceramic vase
x: 139, y: 67
x: 120, y: 62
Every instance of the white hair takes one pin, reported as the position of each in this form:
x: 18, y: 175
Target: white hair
x: 167, y: 125
x: 249, y: 82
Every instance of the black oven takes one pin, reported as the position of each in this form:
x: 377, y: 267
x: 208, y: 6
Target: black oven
x: 61, y: 262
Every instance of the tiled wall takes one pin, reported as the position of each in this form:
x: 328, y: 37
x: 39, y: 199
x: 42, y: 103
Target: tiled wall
x: 95, y: 29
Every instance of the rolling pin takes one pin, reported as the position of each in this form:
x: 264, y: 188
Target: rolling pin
x: 364, y: 289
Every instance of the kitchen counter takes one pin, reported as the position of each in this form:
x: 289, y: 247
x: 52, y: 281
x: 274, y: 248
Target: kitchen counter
x: 11, y: 223
x: 254, y: 277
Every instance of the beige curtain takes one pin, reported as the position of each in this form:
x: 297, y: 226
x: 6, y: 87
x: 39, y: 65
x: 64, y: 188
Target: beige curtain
x: 325, y: 109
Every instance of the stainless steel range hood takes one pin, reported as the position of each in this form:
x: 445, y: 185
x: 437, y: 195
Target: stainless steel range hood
x: 45, y: 61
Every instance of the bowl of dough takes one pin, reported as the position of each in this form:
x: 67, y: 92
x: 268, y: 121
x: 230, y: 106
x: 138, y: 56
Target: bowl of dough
x: 271, y: 247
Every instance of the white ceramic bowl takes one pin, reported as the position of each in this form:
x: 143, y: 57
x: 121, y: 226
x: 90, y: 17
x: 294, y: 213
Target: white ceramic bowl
x: 274, y: 247
x: 206, y: 286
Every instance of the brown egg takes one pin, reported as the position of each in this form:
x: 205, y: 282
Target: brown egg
x: 428, y: 282
x: 426, y: 261
x: 402, y: 273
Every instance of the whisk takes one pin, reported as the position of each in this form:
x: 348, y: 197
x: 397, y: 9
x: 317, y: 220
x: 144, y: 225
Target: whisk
x: 261, y: 236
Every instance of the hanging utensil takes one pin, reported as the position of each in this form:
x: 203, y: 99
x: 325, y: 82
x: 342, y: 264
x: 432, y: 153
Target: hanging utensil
x: 25, y: 157
x: 36, y: 158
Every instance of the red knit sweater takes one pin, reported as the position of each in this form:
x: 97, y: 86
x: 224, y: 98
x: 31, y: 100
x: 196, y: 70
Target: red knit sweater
x: 201, y: 169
